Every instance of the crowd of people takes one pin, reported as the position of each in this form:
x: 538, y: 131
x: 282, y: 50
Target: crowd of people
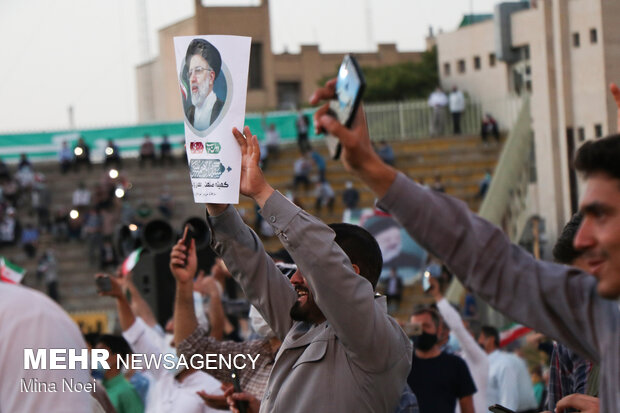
x: 321, y: 337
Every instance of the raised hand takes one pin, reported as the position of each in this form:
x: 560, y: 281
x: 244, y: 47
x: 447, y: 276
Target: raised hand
x: 253, y: 183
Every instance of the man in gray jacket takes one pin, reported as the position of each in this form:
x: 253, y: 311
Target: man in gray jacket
x: 565, y: 303
x: 341, y: 352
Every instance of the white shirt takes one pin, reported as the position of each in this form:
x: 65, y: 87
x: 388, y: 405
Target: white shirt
x: 202, y: 114
x: 473, y: 354
x: 272, y: 137
x: 509, y: 382
x: 166, y: 394
x: 457, y: 101
x: 29, y: 319
x: 437, y: 98
x: 81, y: 197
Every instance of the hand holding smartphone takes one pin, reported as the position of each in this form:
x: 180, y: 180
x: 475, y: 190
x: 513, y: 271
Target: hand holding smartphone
x: 497, y: 408
x: 350, y: 86
x: 241, y: 406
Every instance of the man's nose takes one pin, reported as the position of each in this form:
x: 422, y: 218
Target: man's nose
x: 296, y: 278
x: 584, y: 238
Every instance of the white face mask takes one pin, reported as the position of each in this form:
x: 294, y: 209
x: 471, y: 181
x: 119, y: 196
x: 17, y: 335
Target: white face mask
x: 259, y: 324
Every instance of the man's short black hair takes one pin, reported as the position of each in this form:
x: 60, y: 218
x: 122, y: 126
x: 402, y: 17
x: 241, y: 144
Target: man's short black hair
x: 599, y: 155
x: 116, y: 344
x: 564, y: 252
x: 490, y: 331
x: 425, y: 309
x: 361, y: 248
x: 207, y: 51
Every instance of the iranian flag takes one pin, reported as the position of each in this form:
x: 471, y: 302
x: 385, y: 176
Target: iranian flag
x: 10, y: 272
x: 130, y: 262
x: 511, y: 333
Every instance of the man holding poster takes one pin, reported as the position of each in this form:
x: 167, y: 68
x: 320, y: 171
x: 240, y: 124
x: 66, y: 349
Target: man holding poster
x: 341, y: 351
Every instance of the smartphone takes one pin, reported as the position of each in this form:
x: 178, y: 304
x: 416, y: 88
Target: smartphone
x: 350, y: 86
x: 103, y: 284
x: 426, y: 281
x: 496, y: 408
x: 241, y: 406
x: 188, y: 235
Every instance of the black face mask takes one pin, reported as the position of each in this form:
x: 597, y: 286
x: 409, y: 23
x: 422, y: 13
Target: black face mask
x: 424, y: 341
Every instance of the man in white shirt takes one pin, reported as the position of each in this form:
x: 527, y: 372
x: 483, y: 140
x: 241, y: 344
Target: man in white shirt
x: 203, y: 62
x: 438, y: 101
x: 509, y: 382
x: 457, y: 107
x: 172, y: 391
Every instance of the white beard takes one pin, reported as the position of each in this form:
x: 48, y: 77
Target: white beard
x: 198, y: 97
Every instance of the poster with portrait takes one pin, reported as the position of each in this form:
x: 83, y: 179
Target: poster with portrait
x: 400, y: 252
x: 212, y: 72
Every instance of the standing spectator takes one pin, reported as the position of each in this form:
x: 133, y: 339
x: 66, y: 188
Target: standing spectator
x: 81, y: 197
x: 47, y: 268
x: 112, y: 155
x: 438, y: 102
x: 394, y: 290
x: 475, y: 357
x: 81, y: 153
x: 438, y: 379
x: 301, y: 170
x: 438, y: 185
x: 319, y: 161
x: 41, y: 201
x: 92, y: 232
x: 273, y: 141
x: 147, y: 151
x: 457, y: 107
x: 509, y: 380
x: 10, y: 228
x: 30, y: 240
x: 165, y: 152
x: 302, y: 124
x: 25, y: 173
x: 386, y: 153
x: 60, y: 225
x: 5, y: 173
x: 489, y: 126
x: 350, y: 198
x: 24, y: 163
x: 65, y: 157
x: 324, y: 197
x: 107, y: 255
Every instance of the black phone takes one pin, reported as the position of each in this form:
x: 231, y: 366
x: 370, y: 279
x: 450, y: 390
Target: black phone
x: 350, y: 86
x: 188, y: 235
x: 497, y: 408
x: 103, y: 284
x: 241, y: 406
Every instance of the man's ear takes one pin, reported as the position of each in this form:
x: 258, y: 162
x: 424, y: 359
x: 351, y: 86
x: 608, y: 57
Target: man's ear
x: 356, y: 269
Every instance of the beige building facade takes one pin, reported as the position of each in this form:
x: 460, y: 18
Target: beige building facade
x: 276, y: 81
x: 563, y: 54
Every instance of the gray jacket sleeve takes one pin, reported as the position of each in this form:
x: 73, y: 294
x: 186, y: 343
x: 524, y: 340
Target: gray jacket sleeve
x: 264, y: 285
x: 345, y: 298
x: 557, y: 300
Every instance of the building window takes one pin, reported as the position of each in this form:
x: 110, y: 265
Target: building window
x: 461, y: 65
x: 491, y: 59
x: 255, y: 77
x: 446, y: 69
x: 576, y: 40
x: 477, y: 62
x: 581, y: 132
x: 598, y: 130
x: 593, y: 36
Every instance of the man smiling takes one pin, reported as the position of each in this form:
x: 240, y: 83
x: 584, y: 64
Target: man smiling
x: 203, y: 62
x: 341, y: 352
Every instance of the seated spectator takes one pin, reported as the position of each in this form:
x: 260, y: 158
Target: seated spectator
x: 25, y: 173
x: 81, y: 155
x: 65, y: 157
x: 60, y: 225
x: 41, y: 202
x: 166, y: 203
x: 5, y: 173
x: 123, y: 396
x: 165, y: 152
x: 147, y: 151
x: 350, y: 196
x: 24, y: 162
x: 112, y: 155
x: 81, y: 197
x: 30, y: 240
x: 324, y: 197
x: 439, y: 380
x: 438, y: 185
x: 10, y: 228
x: 386, y: 153
x: 301, y: 170
x: 489, y: 126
